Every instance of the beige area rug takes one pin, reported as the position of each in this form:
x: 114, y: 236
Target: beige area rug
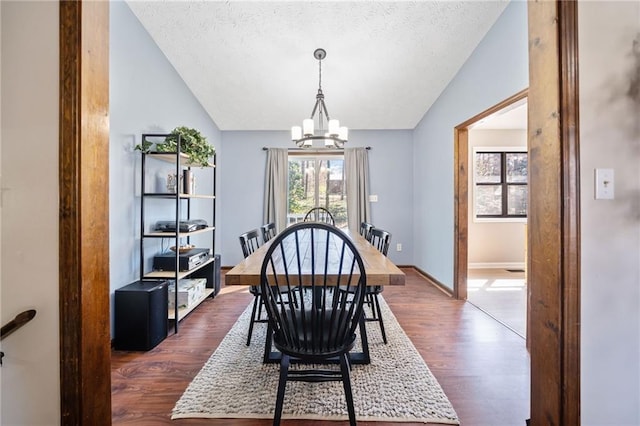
x: 396, y: 387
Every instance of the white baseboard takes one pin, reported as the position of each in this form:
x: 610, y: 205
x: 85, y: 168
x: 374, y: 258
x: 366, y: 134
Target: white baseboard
x: 505, y: 265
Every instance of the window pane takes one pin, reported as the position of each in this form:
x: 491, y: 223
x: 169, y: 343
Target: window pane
x: 489, y: 200
x: 516, y: 167
x: 317, y: 182
x: 301, y: 188
x: 335, y: 191
x: 517, y: 200
x: 488, y: 167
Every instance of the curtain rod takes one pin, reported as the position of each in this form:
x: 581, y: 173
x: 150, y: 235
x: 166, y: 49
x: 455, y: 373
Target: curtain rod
x: 317, y: 150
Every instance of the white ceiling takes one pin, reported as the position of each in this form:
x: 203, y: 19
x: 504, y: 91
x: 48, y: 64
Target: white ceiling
x: 513, y: 117
x: 251, y: 64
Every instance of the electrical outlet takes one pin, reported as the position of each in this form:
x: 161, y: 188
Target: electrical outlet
x: 398, y: 247
x: 373, y: 198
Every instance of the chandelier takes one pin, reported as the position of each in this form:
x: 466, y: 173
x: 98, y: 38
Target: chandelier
x: 335, y: 136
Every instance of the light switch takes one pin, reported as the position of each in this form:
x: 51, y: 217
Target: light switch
x: 373, y: 198
x: 604, y: 184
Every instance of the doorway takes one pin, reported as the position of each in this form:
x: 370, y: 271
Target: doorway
x: 555, y: 382
x: 461, y: 185
x: 497, y: 220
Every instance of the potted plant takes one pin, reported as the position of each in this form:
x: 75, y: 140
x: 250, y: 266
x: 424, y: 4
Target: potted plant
x: 192, y: 143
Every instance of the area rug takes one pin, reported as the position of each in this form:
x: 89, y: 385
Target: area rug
x: 397, y: 386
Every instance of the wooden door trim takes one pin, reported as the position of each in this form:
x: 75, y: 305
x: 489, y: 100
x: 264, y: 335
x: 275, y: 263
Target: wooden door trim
x: 570, y: 128
x: 554, y: 229
x: 554, y: 220
x: 85, y: 353
x: 461, y: 192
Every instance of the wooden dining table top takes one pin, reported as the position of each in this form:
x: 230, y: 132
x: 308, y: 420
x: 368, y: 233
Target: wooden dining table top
x: 379, y: 269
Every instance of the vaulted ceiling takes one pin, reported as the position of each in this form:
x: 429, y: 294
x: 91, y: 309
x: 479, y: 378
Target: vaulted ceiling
x: 251, y: 64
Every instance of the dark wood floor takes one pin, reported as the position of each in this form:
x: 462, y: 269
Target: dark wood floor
x: 482, y: 366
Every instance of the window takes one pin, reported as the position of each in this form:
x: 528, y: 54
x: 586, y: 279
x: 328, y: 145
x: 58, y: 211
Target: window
x: 500, y: 184
x: 317, y: 180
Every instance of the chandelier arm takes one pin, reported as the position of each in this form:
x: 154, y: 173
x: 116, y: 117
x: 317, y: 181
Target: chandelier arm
x: 324, y: 107
x: 315, y: 108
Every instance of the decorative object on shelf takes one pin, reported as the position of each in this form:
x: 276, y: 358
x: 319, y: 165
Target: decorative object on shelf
x: 192, y: 143
x: 188, y: 182
x: 172, y: 183
x: 183, y: 248
x: 335, y: 136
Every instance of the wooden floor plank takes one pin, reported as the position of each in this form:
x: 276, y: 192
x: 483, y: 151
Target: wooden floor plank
x: 482, y: 366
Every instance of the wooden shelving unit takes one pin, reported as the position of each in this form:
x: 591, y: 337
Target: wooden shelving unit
x: 181, y: 206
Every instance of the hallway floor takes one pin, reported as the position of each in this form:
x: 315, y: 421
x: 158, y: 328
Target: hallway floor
x: 501, y: 294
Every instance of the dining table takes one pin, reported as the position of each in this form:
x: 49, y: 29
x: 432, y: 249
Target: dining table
x: 379, y: 269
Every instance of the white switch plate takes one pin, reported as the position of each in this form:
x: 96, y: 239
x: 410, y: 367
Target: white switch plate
x: 373, y: 198
x: 398, y: 247
x: 605, y: 188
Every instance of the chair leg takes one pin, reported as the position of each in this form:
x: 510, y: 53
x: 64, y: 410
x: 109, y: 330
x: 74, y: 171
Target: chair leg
x: 346, y: 383
x: 379, y: 319
x: 256, y: 300
x: 282, y: 384
x: 369, y: 301
x: 260, y: 305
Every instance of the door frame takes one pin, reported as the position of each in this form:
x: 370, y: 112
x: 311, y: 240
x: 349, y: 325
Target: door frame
x: 553, y: 231
x: 554, y: 256
x: 461, y: 191
x: 85, y: 334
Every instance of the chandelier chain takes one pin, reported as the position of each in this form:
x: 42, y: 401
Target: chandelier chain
x: 320, y: 74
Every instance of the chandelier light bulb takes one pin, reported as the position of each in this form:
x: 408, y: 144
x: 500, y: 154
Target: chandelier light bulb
x: 307, y: 127
x: 296, y: 133
x: 343, y: 133
x: 334, y: 126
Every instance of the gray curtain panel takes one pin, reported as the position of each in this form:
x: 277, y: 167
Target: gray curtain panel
x: 357, y: 170
x: 275, y: 188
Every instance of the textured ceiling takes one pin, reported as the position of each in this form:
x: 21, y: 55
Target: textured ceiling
x: 251, y: 64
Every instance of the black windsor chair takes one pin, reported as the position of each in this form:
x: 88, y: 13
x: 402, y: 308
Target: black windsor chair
x: 380, y: 239
x: 250, y: 243
x: 320, y: 328
x: 268, y: 231
x: 319, y: 214
x: 365, y: 230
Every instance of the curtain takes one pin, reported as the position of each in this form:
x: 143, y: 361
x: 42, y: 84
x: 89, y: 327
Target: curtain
x: 357, y: 173
x: 275, y: 188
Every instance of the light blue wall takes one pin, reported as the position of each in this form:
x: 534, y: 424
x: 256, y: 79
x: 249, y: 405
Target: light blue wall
x: 497, y: 69
x: 243, y: 167
x: 146, y: 94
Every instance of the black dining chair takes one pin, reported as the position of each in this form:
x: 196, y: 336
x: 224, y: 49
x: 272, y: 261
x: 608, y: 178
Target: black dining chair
x: 365, y: 230
x: 319, y: 214
x: 380, y: 239
x: 268, y: 231
x: 250, y: 243
x: 321, y: 328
